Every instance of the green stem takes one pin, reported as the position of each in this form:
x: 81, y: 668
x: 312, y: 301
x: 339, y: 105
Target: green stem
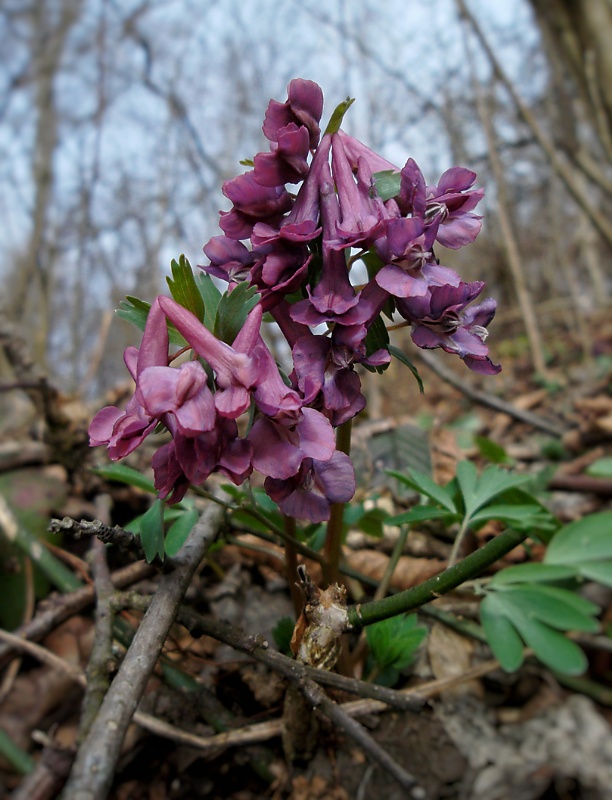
x: 469, y: 567
x: 333, y: 536
x: 458, y: 541
x: 398, y: 549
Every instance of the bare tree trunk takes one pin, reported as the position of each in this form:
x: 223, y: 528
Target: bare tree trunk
x: 578, y: 35
x: 505, y: 222
x: 31, y: 281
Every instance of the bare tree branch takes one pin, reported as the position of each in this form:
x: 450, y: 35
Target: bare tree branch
x: 94, y: 767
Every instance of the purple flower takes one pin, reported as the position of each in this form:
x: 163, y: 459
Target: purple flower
x: 288, y: 161
x: 236, y: 371
x: 123, y: 432
x: 310, y: 492
x: 279, y: 449
x: 362, y: 212
x: 230, y: 260
x: 445, y: 208
x: 190, y: 460
x: 333, y: 299
x: 304, y: 106
x: 410, y: 264
x: 441, y: 319
x: 356, y: 150
x: 321, y: 366
x: 182, y: 392
x: 452, y: 201
x: 252, y: 203
x: 280, y: 269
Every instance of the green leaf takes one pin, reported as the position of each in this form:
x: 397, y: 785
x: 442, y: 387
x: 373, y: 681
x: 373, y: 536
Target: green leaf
x: 179, y: 531
x: 394, y: 641
x: 233, y: 310
x: 136, y: 311
x: 501, y: 634
x: 335, y: 121
x: 532, y: 573
x: 602, y: 468
x: 551, y: 647
x: 152, y: 531
x: 600, y: 571
x: 397, y: 353
x: 241, y: 518
x: 586, y: 540
x: 183, y: 287
x: 211, y: 297
x: 373, y: 264
x: 423, y: 484
x: 372, y: 522
x: 282, y: 633
x: 516, y: 516
x: 551, y: 605
x: 543, y: 525
x: 423, y: 513
x: 387, y: 184
x: 491, y: 450
x: 121, y: 473
x: 477, y: 492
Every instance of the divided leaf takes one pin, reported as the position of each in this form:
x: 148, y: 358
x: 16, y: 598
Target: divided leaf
x: 394, y: 641
x: 183, y: 287
x: 232, y: 311
x: 536, y: 614
x: 423, y: 484
x: 136, y: 311
x: 585, y: 541
x: 211, y: 297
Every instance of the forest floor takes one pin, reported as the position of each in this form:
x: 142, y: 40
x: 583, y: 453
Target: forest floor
x: 482, y: 733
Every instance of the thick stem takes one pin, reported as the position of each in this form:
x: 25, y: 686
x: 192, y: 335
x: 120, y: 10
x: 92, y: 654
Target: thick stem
x: 333, y: 538
x: 468, y: 568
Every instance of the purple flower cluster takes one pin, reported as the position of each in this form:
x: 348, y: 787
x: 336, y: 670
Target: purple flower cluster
x: 297, y: 248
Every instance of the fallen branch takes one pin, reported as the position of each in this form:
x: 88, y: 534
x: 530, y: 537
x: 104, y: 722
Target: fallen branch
x: 93, y: 770
x: 58, y: 608
x: 491, y: 401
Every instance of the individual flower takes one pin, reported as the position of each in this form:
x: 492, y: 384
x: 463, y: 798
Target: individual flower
x: 325, y: 364
x: 123, y: 431
x: 288, y: 160
x: 445, y: 208
x: 280, y: 269
x: 190, y: 460
x: 182, y: 392
x: 310, y: 492
x: 410, y: 266
x: 230, y: 260
x: 236, y: 371
x: 279, y: 449
x: 304, y: 106
x: 442, y: 319
x: 362, y: 212
x: 252, y: 203
x: 452, y: 202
